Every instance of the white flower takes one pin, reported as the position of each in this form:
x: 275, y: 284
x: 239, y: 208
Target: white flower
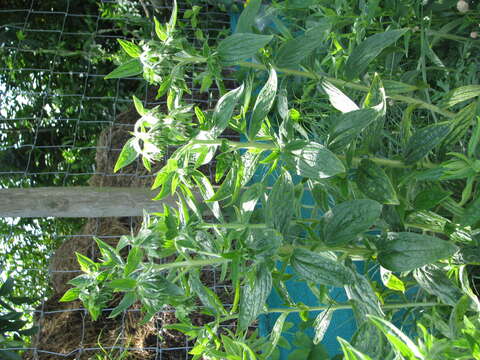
x: 474, y: 34
x: 462, y: 6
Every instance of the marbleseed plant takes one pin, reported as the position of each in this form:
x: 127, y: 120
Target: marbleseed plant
x: 388, y: 205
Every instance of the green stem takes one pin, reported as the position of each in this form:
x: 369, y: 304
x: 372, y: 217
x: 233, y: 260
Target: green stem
x: 191, y: 263
x: 270, y: 146
x: 349, y: 306
x: 236, y: 144
x: 350, y: 85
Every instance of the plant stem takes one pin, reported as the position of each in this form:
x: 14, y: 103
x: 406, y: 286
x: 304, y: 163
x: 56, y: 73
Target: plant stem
x: 350, y: 85
x: 270, y: 146
x: 349, y: 306
x: 191, y: 263
x: 236, y: 144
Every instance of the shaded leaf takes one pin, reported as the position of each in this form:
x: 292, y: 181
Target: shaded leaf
x: 375, y: 183
x: 397, y: 338
x: 349, y: 125
x: 407, y: 251
x: 293, y: 51
x: 320, y: 268
x: 240, y: 47
x: 314, y: 161
x: 280, y: 204
x: 321, y: 324
x: 424, y: 140
x: 247, y: 17
x: 130, y: 68
x: 368, y: 50
x: 224, y: 110
x: 461, y: 94
x: 263, y: 104
x: 434, y: 281
x: 349, y: 219
x: 127, y: 155
x: 128, y: 300
x: 254, y: 297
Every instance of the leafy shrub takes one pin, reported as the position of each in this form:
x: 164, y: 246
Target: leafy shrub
x: 396, y: 193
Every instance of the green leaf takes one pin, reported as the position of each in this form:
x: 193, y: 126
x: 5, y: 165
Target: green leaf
x: 70, y: 295
x: 6, y: 287
x: 461, y: 94
x: 127, y: 155
x: 276, y: 333
x: 254, y: 297
x: 160, y: 30
x: 125, y: 284
x: 226, y: 189
x: 240, y: 47
x: 320, y: 268
x: 81, y: 281
x: 424, y: 140
x: 314, y: 161
x: 401, y: 342
x: 206, y: 296
x: 350, y: 352
x: 407, y: 251
x: 139, y: 106
x: 391, y: 281
x: 130, y: 68
x: 393, y: 87
x: 224, y: 110
x: 134, y: 259
x: 248, y: 201
x: 207, y: 191
x: 368, y: 50
x: 346, y: 221
x: 263, y: 104
x: 293, y: 51
x: 165, y: 172
x: 173, y: 18
x: 130, y: 48
x: 263, y: 243
x: 435, y: 282
x: 108, y: 252
x: 10, y: 355
x: 361, y: 293
x: 128, y: 300
x: 247, y: 17
x: 280, y: 204
x: 375, y: 183
x: 338, y: 99
x: 321, y: 324
x: 472, y: 213
x: 86, y: 264
x: 460, y: 124
x: 426, y: 220
x: 349, y: 125
x: 430, y: 197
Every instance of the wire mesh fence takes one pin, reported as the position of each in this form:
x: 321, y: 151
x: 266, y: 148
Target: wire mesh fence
x: 62, y: 124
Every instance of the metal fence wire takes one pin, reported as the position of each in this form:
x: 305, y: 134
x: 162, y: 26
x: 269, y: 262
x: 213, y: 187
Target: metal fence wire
x: 62, y: 124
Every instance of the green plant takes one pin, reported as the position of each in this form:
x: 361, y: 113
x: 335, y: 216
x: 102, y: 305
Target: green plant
x: 13, y: 331
x: 399, y: 195
x: 111, y: 353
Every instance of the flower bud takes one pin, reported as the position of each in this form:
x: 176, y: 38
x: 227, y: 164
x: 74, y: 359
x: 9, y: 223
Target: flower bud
x: 462, y: 6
